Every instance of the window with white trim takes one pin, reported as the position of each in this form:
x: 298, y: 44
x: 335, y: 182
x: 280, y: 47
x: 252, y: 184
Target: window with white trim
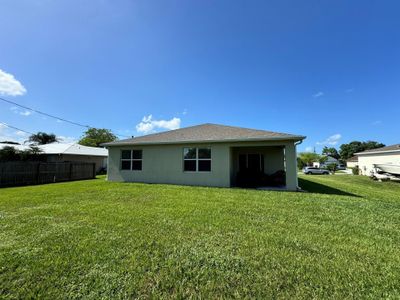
x: 131, y: 160
x: 197, y: 159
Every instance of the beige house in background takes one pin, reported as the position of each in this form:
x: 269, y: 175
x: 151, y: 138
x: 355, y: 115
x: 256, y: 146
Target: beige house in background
x: 207, y: 155
x: 384, y: 155
x: 352, y: 162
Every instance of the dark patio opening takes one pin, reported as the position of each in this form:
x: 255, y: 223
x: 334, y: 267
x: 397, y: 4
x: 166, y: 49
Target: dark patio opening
x: 258, y: 167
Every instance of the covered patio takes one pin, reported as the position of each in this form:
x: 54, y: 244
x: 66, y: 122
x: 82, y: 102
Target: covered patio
x: 263, y: 166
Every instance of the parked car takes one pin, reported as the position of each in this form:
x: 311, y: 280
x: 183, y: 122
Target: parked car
x: 341, y: 167
x: 314, y: 170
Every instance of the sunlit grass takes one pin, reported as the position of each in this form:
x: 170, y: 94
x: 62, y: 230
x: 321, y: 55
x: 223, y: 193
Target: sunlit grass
x: 97, y: 239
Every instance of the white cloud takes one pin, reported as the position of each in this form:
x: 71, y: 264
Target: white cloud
x: 309, y: 149
x: 332, y: 140
x: 21, y: 112
x: 185, y: 111
x: 9, y: 86
x: 149, y: 125
x: 8, y: 134
x: 319, y: 94
x: 21, y: 133
x: 25, y: 113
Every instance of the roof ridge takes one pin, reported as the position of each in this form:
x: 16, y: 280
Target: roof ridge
x: 207, y: 132
x: 70, y: 147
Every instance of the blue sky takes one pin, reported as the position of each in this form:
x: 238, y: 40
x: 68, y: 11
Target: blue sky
x: 326, y: 69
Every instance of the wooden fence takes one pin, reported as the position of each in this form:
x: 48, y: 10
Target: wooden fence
x: 14, y: 173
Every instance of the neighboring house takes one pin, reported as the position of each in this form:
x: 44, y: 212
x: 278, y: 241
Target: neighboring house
x: 58, y: 152
x: 352, y: 162
x: 316, y: 164
x: 206, y: 155
x: 384, y: 155
x: 329, y: 160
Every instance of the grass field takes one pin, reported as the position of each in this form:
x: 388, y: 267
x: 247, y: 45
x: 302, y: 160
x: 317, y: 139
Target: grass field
x: 96, y: 239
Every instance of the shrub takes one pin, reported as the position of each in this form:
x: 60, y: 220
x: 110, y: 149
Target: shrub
x: 300, y: 163
x: 356, y: 170
x: 9, y: 153
x: 102, y: 171
x: 332, y: 168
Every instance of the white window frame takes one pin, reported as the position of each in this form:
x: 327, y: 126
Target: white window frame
x: 131, y: 160
x: 197, y: 159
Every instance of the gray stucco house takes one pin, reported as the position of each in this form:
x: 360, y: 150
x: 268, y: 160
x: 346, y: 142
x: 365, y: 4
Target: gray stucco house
x: 207, y: 155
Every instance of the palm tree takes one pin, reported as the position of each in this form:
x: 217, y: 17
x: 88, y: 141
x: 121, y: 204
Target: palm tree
x: 42, y: 138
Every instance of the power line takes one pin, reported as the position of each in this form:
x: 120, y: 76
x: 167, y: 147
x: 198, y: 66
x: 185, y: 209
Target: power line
x: 13, y: 127
x: 53, y: 116
x: 43, y: 113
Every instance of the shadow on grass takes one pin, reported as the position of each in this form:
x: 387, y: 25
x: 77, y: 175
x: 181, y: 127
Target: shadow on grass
x: 314, y: 187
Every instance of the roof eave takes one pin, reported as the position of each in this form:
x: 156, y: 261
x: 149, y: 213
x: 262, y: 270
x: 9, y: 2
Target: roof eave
x: 286, y: 138
x: 376, y: 152
x: 77, y: 154
x: 86, y: 154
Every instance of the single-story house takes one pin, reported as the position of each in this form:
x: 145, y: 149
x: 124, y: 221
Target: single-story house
x: 352, y: 162
x: 384, y: 155
x: 329, y: 160
x: 207, y: 155
x: 72, y: 152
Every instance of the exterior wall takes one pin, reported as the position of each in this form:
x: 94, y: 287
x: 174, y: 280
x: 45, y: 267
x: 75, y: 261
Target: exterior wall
x: 366, y: 162
x: 352, y: 164
x: 316, y: 164
x: 291, y: 167
x: 100, y: 161
x: 164, y: 164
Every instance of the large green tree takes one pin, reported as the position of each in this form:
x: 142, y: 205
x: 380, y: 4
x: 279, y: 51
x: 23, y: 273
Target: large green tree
x: 330, y: 151
x: 348, y: 150
x: 307, y: 159
x: 42, y: 138
x: 93, y: 137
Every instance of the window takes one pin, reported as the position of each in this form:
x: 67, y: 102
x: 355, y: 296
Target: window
x: 251, y: 162
x: 131, y: 160
x: 196, y: 159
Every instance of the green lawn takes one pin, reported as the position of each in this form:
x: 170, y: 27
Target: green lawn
x: 96, y: 239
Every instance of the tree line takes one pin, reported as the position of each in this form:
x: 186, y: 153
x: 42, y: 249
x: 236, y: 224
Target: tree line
x: 92, y: 137
x: 345, y: 152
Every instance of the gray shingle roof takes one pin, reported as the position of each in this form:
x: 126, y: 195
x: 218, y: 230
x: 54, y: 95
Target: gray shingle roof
x: 63, y: 148
x: 352, y: 159
x: 207, y: 133
x: 390, y: 148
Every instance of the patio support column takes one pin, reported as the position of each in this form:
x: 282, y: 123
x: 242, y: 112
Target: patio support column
x: 291, y: 167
